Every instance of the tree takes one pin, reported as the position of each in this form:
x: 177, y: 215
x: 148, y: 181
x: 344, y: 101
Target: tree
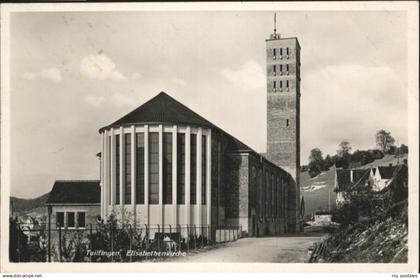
x: 403, y: 149
x: 329, y: 161
x: 316, y: 162
x: 344, y: 148
x: 362, y: 157
x: 384, y: 141
x: 343, y: 155
x: 359, y: 202
x: 376, y: 154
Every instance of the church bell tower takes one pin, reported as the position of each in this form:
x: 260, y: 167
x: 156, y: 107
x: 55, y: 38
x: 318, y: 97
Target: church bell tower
x: 283, y: 107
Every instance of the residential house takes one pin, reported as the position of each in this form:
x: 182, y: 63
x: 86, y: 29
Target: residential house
x: 74, y: 204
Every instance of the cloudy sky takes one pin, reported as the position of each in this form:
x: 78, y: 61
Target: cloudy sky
x: 74, y: 72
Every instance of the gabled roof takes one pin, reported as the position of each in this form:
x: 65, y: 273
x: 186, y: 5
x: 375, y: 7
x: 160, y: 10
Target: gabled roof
x: 162, y: 109
x: 75, y: 192
x: 386, y: 172
x: 344, y: 178
x: 360, y: 175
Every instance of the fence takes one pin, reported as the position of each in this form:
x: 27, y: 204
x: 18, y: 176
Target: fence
x: 113, y: 243
x: 317, y: 253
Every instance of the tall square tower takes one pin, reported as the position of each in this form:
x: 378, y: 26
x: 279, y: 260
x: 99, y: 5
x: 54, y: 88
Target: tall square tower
x: 283, y: 105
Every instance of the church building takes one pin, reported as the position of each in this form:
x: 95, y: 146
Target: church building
x: 164, y: 164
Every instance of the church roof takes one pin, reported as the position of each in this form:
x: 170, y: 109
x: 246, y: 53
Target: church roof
x: 75, y: 192
x: 162, y: 109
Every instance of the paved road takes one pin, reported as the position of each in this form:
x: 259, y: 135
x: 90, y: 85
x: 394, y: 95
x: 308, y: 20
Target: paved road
x: 288, y: 249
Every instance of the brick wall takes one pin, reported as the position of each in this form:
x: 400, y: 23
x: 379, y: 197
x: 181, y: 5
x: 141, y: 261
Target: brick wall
x: 283, y: 115
x: 236, y: 190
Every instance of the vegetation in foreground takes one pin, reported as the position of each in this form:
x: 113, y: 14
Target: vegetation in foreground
x: 373, y: 226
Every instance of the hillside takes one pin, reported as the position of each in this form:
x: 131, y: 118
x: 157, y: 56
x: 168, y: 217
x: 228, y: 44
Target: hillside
x: 385, y: 241
x: 318, y: 192
x: 378, y: 233
x: 19, y: 205
x: 315, y: 190
x: 385, y: 161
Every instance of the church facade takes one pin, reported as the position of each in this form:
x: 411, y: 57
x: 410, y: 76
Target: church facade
x: 164, y: 164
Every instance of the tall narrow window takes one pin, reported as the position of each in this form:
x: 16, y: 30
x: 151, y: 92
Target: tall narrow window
x: 287, y: 51
x: 203, y: 170
x: 274, y: 69
x: 281, y: 85
x: 287, y: 84
x: 109, y: 166
x: 81, y: 219
x: 284, y: 200
x: 281, y: 69
x: 127, y: 168
x: 274, y: 85
x: 181, y: 169
x: 279, y: 198
x: 167, y: 168
x: 273, y: 195
x: 140, y: 168
x: 274, y: 52
x: 287, y: 68
x: 260, y: 193
x: 70, y: 220
x: 281, y: 51
x: 59, y: 219
x: 267, y: 194
x: 117, y: 169
x: 253, y: 183
x: 193, y: 171
x: 154, y: 168
x: 263, y: 187
x: 287, y: 122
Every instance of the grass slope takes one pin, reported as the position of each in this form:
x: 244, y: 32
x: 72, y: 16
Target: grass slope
x: 318, y: 192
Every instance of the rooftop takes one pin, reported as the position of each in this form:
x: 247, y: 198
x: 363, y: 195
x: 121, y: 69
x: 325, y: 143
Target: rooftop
x: 386, y: 172
x: 344, y: 178
x: 75, y: 192
x: 161, y: 109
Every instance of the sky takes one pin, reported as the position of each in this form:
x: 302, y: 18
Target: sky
x: 74, y: 72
